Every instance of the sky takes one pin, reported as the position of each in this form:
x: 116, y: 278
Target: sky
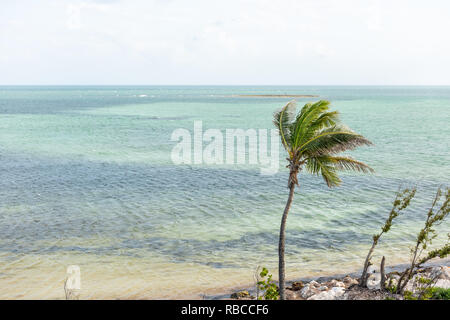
x: 174, y: 42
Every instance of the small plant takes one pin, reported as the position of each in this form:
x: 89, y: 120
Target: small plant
x: 424, y: 288
x: 267, y: 286
x: 401, y: 202
x: 391, y: 288
x: 425, y: 237
x: 408, y: 295
x: 428, y: 293
x: 440, y: 294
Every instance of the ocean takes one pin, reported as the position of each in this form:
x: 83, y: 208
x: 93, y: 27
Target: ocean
x: 87, y: 179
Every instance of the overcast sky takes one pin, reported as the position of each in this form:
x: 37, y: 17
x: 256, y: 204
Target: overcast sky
x: 301, y: 42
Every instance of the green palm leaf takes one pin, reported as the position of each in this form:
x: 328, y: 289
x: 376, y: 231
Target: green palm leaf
x: 325, y: 120
x: 332, y: 140
x: 348, y: 163
x: 324, y: 166
x: 283, y: 119
x: 310, y: 116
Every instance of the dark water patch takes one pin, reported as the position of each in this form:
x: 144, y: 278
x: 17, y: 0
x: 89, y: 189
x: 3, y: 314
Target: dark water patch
x: 209, y: 252
x: 50, y: 174
x: 50, y: 198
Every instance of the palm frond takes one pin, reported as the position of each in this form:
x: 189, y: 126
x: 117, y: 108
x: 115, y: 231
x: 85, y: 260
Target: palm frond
x: 308, y: 117
x: 325, y: 120
x: 314, y: 137
x: 333, y: 140
x: 348, y: 163
x: 324, y: 166
x: 283, y: 119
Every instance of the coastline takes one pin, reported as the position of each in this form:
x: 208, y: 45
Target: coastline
x: 226, y: 295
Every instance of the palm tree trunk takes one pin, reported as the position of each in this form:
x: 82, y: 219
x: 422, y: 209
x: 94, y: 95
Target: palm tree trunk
x: 281, y: 266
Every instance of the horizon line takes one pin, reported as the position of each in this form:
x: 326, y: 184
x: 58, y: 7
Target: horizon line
x: 230, y: 85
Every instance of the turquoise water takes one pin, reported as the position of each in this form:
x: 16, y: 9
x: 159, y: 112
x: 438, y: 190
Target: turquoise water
x: 87, y: 179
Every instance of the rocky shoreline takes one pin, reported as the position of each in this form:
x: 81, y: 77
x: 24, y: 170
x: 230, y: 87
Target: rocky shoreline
x: 345, y: 287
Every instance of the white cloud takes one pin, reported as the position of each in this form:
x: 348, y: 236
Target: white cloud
x: 225, y: 42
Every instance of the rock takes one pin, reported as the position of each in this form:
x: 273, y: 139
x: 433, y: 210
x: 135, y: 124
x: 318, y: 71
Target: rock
x: 293, y: 295
x: 392, y: 280
x: 336, y: 283
x: 323, y: 288
x: 349, y: 281
x: 373, y: 283
x: 446, y: 271
x: 297, y: 286
x: 241, y: 294
x: 441, y: 283
x: 393, y: 275
x: 332, y: 294
x: 314, y: 283
x: 441, y: 273
x: 309, y: 289
x: 358, y: 293
x: 411, y: 284
x: 371, y: 269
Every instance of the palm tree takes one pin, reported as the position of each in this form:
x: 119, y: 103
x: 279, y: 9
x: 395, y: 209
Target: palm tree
x: 312, y: 139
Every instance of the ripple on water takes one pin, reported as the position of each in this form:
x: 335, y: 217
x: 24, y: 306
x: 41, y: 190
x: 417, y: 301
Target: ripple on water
x: 86, y: 179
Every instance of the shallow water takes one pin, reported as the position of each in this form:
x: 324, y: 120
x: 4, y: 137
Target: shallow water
x: 87, y: 179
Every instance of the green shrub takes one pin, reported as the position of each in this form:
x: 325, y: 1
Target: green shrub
x: 268, y: 286
x: 408, y: 295
x: 440, y: 294
x: 392, y: 289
